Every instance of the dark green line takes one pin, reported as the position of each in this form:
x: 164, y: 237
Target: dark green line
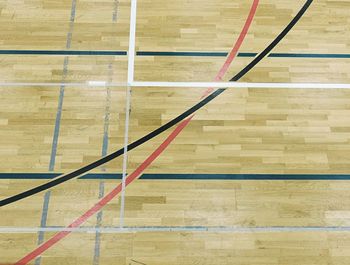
x: 173, y: 54
x: 310, y: 55
x: 246, y: 54
x: 194, y: 54
x: 186, y: 54
x: 161, y: 129
x: 100, y: 176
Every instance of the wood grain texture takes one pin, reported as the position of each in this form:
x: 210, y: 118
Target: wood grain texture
x: 196, y: 248
x: 247, y: 131
x: 242, y: 131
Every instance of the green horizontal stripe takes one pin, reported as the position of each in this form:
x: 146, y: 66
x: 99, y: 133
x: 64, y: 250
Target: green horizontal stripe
x: 186, y: 54
x: 28, y: 176
x: 58, y: 52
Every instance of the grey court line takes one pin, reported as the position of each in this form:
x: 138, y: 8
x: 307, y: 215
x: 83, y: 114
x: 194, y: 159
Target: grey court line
x: 57, y: 129
x: 60, y: 103
x: 101, y: 189
x: 43, y: 221
x: 96, y: 258
x: 126, y: 229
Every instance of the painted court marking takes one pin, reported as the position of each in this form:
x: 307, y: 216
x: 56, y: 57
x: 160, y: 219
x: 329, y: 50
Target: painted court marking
x: 158, y: 151
x: 167, y: 125
x: 131, y: 66
x: 147, y: 137
x: 186, y: 84
x: 99, y: 205
x: 101, y: 190
x: 240, y: 85
x: 131, y: 229
x: 155, y: 154
x: 57, y: 127
x: 178, y: 176
x: 132, y: 37
x: 174, y: 54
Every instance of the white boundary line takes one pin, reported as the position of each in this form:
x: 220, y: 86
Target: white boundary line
x: 125, y: 155
x: 184, y: 84
x: 131, y: 61
x: 232, y: 229
x: 238, y: 85
x: 132, y: 36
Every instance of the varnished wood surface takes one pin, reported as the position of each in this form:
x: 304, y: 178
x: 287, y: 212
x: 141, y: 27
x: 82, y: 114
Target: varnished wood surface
x: 251, y: 131
x: 180, y: 26
x: 192, y: 203
x: 243, y: 131
x: 43, y: 68
x: 43, y: 25
x: 197, y: 248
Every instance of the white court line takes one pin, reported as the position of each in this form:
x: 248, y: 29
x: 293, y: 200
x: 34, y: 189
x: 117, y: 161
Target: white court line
x: 131, y: 60
x: 232, y: 229
x: 238, y: 85
x: 185, y: 84
x: 132, y: 36
x: 125, y: 155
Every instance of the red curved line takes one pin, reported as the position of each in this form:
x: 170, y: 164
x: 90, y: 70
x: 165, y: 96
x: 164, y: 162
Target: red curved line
x: 238, y: 44
x: 134, y: 175
x: 98, y: 206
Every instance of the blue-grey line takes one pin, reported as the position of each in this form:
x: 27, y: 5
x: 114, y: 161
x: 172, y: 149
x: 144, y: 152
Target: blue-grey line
x: 43, y: 222
x: 133, y: 229
x: 115, y: 11
x: 176, y: 176
x: 62, y: 87
x: 58, y: 120
x: 96, y: 258
x: 57, y: 127
x: 107, y: 116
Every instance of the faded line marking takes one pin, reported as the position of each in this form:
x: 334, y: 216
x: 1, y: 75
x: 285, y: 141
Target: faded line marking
x: 96, y: 258
x: 133, y: 229
x: 57, y: 129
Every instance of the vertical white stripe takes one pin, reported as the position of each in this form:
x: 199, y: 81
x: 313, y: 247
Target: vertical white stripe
x: 132, y: 36
x: 131, y: 60
x: 125, y: 155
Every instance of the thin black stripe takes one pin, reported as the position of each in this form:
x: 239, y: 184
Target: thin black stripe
x: 111, y: 156
x: 161, y: 129
x: 272, y: 44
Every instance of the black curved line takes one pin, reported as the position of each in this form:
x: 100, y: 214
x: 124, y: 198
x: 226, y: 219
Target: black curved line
x: 164, y: 127
x: 274, y: 43
x: 111, y: 156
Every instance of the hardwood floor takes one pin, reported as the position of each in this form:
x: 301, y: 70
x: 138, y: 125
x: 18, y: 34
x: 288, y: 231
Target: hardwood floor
x: 243, y: 131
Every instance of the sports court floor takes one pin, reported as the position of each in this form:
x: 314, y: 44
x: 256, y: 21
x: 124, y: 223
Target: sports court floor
x: 160, y: 132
